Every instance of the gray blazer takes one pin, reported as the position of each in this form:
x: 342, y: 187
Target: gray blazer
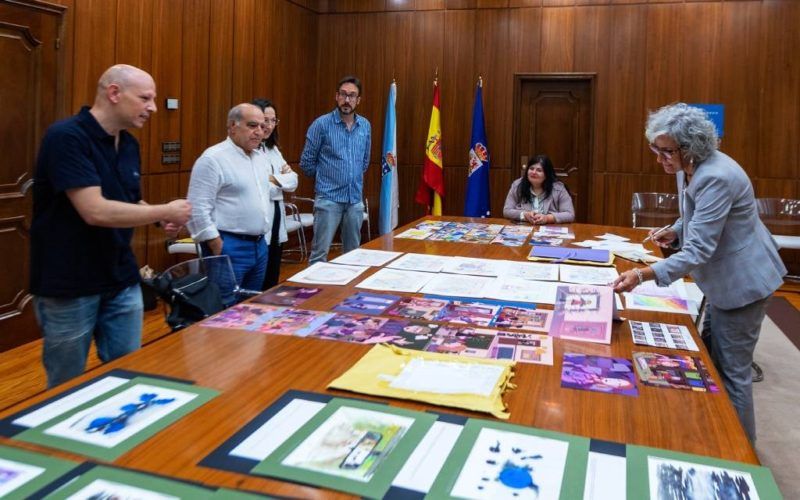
x: 559, y: 203
x: 723, y: 244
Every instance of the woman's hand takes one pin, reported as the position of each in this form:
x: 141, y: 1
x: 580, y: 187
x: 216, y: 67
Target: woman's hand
x: 626, y: 282
x: 663, y: 238
x: 542, y: 219
x: 529, y: 216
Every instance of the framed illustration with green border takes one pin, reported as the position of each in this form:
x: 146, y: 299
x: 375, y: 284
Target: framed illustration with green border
x: 110, y: 482
x: 24, y: 472
x: 498, y: 460
x: 114, y: 423
x: 652, y: 472
x: 351, y: 446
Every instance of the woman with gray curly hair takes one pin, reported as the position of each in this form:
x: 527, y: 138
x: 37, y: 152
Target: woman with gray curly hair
x: 722, y: 244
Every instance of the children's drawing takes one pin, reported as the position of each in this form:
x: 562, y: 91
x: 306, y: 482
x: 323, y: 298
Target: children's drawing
x: 505, y: 464
x: 598, y: 373
x: 14, y: 474
x: 676, y: 479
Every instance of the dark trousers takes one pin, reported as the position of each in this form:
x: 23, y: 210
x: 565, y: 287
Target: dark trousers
x: 275, y: 251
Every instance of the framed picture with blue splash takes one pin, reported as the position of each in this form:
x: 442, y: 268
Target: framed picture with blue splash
x: 115, y: 422
x: 497, y: 460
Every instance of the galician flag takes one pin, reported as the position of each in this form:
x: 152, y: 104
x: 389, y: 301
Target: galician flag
x: 390, y: 197
x: 477, y: 202
x: 432, y: 173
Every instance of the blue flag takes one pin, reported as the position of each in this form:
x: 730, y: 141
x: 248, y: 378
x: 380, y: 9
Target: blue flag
x: 390, y: 196
x: 477, y: 202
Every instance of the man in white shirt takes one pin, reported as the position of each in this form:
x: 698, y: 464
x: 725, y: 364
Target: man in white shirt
x: 230, y: 194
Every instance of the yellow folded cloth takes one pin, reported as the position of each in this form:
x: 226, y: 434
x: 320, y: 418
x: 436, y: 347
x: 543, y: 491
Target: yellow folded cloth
x: 369, y: 376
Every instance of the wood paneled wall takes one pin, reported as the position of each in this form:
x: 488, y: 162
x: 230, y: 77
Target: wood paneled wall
x: 212, y: 54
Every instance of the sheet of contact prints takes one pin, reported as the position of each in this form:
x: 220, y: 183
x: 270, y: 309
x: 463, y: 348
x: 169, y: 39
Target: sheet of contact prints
x: 662, y: 335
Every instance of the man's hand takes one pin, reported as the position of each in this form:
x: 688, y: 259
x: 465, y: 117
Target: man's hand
x: 215, y: 245
x: 170, y: 229
x: 178, y: 212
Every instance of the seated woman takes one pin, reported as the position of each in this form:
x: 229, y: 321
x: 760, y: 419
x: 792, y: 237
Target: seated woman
x: 538, y: 197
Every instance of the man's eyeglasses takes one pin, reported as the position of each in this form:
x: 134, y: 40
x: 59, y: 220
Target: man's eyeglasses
x: 665, y: 153
x: 347, y: 97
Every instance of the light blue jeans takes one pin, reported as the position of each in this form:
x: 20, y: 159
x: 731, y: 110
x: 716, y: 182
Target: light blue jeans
x: 730, y: 337
x: 248, y: 258
x: 114, y: 320
x: 328, y: 215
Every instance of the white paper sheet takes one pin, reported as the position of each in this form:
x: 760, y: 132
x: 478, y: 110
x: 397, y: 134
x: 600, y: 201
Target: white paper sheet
x: 366, y: 257
x: 612, y: 237
x: 424, y: 464
x: 70, y: 402
x: 454, y: 285
x: 447, y: 377
x: 519, y: 290
x: 588, y: 275
x: 275, y: 431
x: 420, y: 262
x: 537, y: 271
x: 16, y: 474
x: 100, y: 488
x: 475, y: 267
x: 396, y: 280
x: 323, y: 273
x: 605, y: 477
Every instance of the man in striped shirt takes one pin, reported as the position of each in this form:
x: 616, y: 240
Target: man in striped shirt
x: 337, y: 154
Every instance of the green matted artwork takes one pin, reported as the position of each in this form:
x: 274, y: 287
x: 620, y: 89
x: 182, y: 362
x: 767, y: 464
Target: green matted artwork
x: 499, y: 460
x: 109, y: 482
x: 653, y: 472
x: 117, y: 421
x: 351, y: 446
x: 24, y: 472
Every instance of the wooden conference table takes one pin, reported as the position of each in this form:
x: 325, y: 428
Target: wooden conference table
x: 252, y: 370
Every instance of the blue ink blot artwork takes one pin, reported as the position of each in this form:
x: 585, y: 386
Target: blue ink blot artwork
x: 116, y: 423
x: 516, y: 475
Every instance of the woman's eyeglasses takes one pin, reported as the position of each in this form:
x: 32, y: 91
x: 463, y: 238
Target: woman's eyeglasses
x: 665, y: 153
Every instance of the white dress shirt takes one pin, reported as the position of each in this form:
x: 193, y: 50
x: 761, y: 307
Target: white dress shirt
x: 229, y: 191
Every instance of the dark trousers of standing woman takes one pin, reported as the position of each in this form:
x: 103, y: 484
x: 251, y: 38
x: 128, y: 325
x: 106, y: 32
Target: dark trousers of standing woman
x: 275, y: 251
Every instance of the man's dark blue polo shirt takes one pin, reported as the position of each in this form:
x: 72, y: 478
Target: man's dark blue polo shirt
x: 70, y: 258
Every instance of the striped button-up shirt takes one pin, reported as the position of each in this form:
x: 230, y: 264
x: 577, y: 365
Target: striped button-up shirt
x: 338, y: 157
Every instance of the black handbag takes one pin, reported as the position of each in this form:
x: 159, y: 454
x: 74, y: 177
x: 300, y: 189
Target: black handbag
x: 191, y: 298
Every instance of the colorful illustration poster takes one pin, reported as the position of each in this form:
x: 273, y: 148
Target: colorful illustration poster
x: 663, y: 474
x: 494, y: 460
x: 583, y: 312
x: 242, y: 316
x: 287, y: 295
x: 352, y: 446
x: 598, y: 373
x: 469, y: 313
x: 366, y: 303
x: 299, y: 322
x: 350, y: 328
x: 524, y: 318
x: 662, y: 335
x: 417, y: 308
x: 408, y: 334
x: 463, y: 340
x: 660, y: 304
x: 678, y: 372
x: 115, y: 422
x: 523, y: 348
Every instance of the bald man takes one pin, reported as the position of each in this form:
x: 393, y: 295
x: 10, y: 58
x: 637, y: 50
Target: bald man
x: 86, y: 201
x: 230, y: 194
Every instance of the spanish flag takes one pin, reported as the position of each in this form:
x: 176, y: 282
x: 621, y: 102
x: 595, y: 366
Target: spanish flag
x: 432, y: 173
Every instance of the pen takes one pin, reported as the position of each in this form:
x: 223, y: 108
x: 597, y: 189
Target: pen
x: 656, y: 233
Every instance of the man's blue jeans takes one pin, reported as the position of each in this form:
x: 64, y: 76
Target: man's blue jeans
x: 328, y: 215
x: 114, y: 320
x: 248, y: 258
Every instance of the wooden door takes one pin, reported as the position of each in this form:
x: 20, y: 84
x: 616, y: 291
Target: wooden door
x: 31, y: 98
x: 553, y: 116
